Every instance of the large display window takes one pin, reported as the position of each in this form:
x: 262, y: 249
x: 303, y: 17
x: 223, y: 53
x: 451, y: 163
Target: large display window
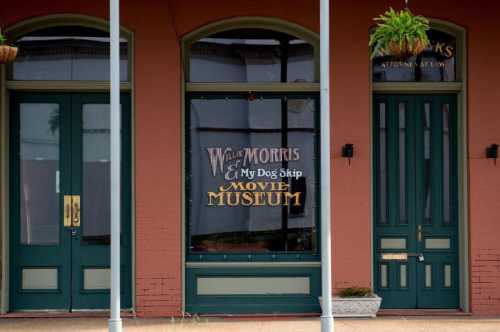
x: 252, y: 157
x: 252, y: 173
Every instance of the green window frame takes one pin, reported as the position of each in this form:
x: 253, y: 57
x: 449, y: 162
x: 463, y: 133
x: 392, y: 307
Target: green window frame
x: 260, y: 90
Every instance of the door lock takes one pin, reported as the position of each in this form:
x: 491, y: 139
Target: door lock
x: 76, y: 211
x: 67, y: 211
x: 420, y: 257
x: 72, y: 213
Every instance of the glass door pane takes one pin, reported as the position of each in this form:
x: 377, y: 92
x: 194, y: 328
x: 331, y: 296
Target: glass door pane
x: 39, y: 174
x: 39, y: 171
x: 96, y: 173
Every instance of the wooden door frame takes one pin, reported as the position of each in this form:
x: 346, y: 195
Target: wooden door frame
x: 460, y: 89
x: 71, y: 164
x: 414, y: 165
x: 6, y: 86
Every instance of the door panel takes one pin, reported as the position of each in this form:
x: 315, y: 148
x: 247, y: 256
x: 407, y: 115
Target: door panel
x: 415, y: 201
x: 436, y: 201
x: 58, y: 146
x: 40, y: 247
x: 91, y: 181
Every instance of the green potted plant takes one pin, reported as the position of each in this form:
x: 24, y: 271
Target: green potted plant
x: 355, y: 302
x: 399, y: 34
x: 7, y: 53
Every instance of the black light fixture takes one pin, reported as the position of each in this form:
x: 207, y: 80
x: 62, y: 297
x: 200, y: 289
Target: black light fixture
x: 492, y: 152
x: 348, y: 152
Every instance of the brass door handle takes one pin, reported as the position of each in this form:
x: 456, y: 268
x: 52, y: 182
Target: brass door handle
x: 67, y: 211
x: 75, y: 222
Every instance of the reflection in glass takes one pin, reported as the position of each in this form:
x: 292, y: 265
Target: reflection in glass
x: 446, y: 165
x: 402, y: 163
x: 403, y: 276
x: 246, y: 142
x: 39, y: 169
x: 384, y: 276
x: 437, y: 63
x: 66, y: 54
x: 428, y: 276
x: 382, y: 169
x: 447, y: 275
x: 251, y: 55
x: 427, y: 163
x: 96, y: 212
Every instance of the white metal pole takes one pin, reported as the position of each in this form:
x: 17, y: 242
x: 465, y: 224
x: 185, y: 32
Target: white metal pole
x: 327, y: 323
x: 115, y: 321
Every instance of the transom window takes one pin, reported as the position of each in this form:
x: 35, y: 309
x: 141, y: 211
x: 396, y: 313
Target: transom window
x: 251, y: 55
x: 251, y: 146
x: 437, y: 63
x: 66, y: 53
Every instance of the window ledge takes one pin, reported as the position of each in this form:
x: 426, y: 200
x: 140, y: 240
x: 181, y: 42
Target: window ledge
x: 418, y: 87
x: 252, y: 87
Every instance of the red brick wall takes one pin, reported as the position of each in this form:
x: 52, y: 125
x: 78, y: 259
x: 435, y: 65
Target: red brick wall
x: 351, y: 22
x: 485, y: 280
x: 158, y: 27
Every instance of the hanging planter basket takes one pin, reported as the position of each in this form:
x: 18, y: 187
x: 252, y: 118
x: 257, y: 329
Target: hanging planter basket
x: 7, y: 53
x: 406, y: 50
x: 399, y: 34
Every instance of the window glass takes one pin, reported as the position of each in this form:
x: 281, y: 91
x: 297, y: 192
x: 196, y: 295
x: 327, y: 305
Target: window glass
x: 251, y: 55
x: 66, y: 54
x: 252, y: 174
x: 96, y: 173
x: 39, y: 168
x: 437, y: 63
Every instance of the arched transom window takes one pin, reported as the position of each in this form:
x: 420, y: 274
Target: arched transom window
x: 66, y: 53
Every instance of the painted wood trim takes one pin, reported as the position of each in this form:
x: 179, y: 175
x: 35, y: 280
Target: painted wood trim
x: 418, y: 87
x: 250, y: 264
x: 252, y: 87
x: 4, y: 194
x: 253, y: 286
x: 240, y: 304
x: 41, y: 22
x: 63, y: 86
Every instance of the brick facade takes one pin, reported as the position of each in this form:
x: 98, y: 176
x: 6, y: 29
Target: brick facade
x: 485, y: 271
x: 158, y: 29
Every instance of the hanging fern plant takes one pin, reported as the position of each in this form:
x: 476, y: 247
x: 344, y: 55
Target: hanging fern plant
x: 399, y: 34
x: 7, y: 53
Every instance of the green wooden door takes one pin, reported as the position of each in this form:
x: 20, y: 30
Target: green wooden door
x: 59, y: 228
x: 416, y: 230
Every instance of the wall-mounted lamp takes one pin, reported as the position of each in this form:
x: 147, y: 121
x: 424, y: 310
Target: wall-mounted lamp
x: 348, y: 152
x: 492, y: 152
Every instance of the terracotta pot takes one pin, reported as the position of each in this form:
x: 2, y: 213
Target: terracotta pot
x: 7, y: 53
x: 406, y: 50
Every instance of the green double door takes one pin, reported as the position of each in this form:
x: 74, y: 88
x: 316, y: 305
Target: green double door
x: 60, y: 202
x: 415, y: 215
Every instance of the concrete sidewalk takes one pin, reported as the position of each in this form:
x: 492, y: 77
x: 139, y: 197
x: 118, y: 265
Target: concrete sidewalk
x: 400, y: 324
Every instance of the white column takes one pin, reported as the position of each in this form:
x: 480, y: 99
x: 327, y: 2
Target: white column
x: 115, y: 322
x: 327, y: 323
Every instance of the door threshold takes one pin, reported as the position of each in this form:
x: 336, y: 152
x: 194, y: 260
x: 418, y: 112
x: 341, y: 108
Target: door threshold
x: 423, y: 312
x: 65, y: 314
